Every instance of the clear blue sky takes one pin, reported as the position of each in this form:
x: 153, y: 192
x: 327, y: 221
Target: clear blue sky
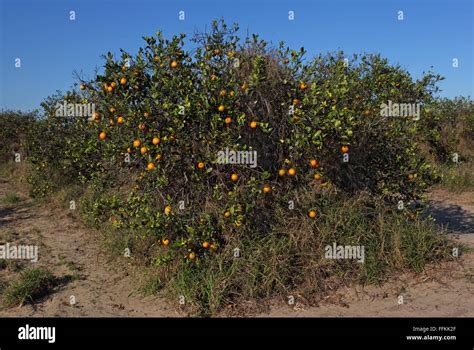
x: 51, y: 46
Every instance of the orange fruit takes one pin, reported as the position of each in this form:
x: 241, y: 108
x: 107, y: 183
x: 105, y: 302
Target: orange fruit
x: 192, y: 255
x: 253, y: 124
x: 111, y: 122
x: 200, y: 165
x: 292, y: 171
x: 222, y: 92
x: 129, y: 150
x: 206, y: 245
x: 303, y: 86
x: 156, y: 58
x: 165, y: 241
x: 123, y: 81
x: 312, y: 214
x: 145, y: 114
x: 141, y: 126
x: 217, y: 52
x: 281, y: 172
x: 213, y: 77
x: 234, y: 177
x: 150, y: 166
x: 345, y: 149
x: 120, y: 120
x: 158, y: 156
x: 82, y: 87
x: 167, y: 210
x: 295, y: 101
x: 109, y: 88
x: 96, y: 115
x: 213, y: 246
x: 232, y: 93
x: 143, y: 150
x: 156, y: 140
x: 174, y: 64
x: 228, y: 120
x: 113, y: 84
x: 266, y: 189
x: 317, y: 177
x: 112, y: 109
x: 221, y: 108
x: 313, y: 163
x: 231, y: 54
x: 136, y: 143
x: 102, y: 135
x: 227, y: 214
x: 410, y: 177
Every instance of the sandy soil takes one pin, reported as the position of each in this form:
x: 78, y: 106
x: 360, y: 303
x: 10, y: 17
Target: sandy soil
x: 104, y: 287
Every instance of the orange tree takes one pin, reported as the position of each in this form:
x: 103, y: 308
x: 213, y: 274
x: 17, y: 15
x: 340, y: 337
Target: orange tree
x: 163, y: 115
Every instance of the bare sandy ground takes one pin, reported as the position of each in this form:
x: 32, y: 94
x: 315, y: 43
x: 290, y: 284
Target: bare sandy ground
x: 104, y: 287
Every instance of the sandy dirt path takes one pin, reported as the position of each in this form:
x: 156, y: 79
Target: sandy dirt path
x: 104, y: 287
x: 101, y: 287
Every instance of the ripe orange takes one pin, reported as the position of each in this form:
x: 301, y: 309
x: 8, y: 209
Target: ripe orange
x: 174, y: 64
x: 96, y: 115
x: 410, y: 177
x: 222, y: 92
x: 227, y: 214
x: 266, y: 189
x: 102, y: 135
x: 158, y: 156
x: 113, y: 84
x: 109, y: 88
x: 129, y: 150
x: 156, y: 58
x: 120, y: 120
x: 82, y: 87
x: 303, y: 86
x: 345, y: 149
x: 217, y: 52
x: 123, y: 81
x: 295, y: 101
x: 281, y: 172
x: 112, y: 109
x: 253, y: 124
x: 232, y: 93
x: 143, y: 150
x: 228, y: 120
x: 292, y: 171
x: 167, y: 210
x: 206, y: 245
x: 165, y: 241
x: 156, y: 140
x: 231, y: 54
x: 312, y: 214
x: 317, y: 177
x: 145, y: 114
x: 234, y: 177
x: 136, y: 143
x: 141, y: 126
x: 213, y: 77
x: 221, y: 108
x: 150, y: 166
x: 111, y: 122
x: 200, y: 165
x: 313, y: 163
x: 192, y: 255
